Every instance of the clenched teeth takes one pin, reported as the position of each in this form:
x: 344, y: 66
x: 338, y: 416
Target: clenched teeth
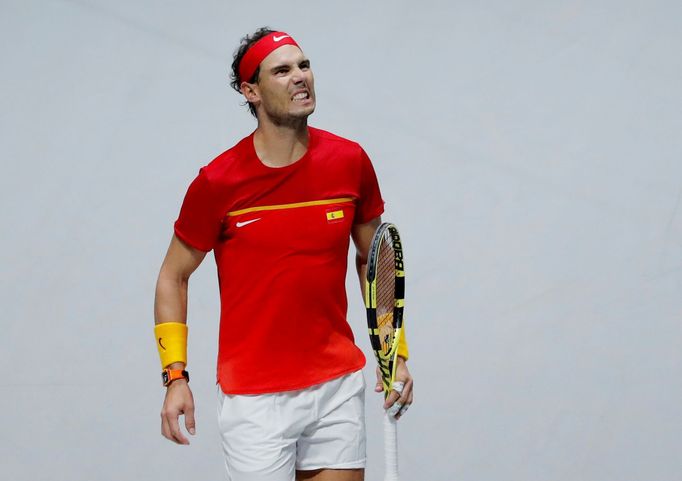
x: 301, y: 96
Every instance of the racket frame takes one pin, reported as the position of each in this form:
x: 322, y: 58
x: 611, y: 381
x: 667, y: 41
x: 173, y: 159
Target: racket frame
x: 385, y: 359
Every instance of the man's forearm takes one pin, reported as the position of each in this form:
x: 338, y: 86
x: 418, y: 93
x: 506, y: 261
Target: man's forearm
x: 361, y: 268
x: 170, y: 302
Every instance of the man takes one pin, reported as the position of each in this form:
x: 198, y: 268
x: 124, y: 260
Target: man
x: 279, y: 210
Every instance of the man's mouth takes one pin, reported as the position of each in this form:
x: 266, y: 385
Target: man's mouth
x: 299, y: 96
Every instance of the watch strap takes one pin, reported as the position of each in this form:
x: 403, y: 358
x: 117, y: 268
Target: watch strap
x: 170, y: 375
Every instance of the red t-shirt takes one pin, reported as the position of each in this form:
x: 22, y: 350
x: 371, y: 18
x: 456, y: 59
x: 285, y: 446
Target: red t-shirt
x: 280, y: 238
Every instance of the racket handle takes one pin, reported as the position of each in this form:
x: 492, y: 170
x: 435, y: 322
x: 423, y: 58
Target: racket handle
x: 390, y: 447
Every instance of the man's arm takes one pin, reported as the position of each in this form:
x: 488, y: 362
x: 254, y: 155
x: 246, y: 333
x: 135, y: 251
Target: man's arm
x: 362, y: 238
x: 170, y: 305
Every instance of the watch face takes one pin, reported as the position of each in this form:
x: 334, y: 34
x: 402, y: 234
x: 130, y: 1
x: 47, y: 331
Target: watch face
x: 168, y: 375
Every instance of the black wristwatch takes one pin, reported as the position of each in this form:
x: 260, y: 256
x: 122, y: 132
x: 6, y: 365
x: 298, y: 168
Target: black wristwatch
x: 170, y: 375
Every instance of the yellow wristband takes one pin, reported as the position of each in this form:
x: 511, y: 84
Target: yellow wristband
x: 403, y: 351
x: 171, y: 340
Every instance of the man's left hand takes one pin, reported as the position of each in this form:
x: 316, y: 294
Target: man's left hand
x: 398, y: 402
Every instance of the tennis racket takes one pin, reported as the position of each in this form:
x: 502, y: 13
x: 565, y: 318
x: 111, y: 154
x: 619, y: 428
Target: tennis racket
x: 384, y: 300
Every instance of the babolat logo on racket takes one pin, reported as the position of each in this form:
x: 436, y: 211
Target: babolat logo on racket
x: 398, y: 248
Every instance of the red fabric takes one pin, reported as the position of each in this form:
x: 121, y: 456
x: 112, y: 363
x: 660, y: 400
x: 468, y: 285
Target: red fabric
x: 282, y: 271
x: 261, y: 49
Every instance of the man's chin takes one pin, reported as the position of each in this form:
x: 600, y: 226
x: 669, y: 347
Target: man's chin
x: 293, y: 119
x: 301, y: 113
x: 304, y: 111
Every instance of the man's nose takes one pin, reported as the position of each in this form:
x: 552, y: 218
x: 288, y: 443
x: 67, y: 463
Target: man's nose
x: 297, y: 76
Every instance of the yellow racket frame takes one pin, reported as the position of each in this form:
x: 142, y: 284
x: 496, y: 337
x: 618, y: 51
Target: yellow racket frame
x: 385, y: 358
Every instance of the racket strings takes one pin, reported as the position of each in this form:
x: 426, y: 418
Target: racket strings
x: 385, y: 292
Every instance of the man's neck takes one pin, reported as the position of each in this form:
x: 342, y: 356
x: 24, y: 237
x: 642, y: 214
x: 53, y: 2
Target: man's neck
x: 280, y: 145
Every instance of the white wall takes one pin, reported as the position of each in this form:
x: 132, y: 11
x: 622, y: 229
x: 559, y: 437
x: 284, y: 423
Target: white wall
x: 530, y: 151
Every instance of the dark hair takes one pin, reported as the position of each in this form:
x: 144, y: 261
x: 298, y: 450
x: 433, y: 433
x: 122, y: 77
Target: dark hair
x: 244, y: 44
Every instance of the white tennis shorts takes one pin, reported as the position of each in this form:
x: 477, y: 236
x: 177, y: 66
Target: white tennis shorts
x: 266, y: 437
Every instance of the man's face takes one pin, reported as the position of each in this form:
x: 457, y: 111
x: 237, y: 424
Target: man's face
x: 286, y: 85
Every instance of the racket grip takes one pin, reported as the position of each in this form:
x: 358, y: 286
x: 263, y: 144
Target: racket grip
x: 390, y: 447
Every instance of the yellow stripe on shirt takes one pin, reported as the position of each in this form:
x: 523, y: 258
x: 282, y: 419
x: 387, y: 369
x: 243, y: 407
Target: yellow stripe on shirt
x: 290, y: 206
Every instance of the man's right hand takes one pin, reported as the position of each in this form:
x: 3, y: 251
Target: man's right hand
x: 179, y: 400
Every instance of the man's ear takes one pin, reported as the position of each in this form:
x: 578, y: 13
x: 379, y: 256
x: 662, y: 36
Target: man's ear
x: 250, y: 92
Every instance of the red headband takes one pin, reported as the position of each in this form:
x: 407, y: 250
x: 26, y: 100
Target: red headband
x: 261, y: 49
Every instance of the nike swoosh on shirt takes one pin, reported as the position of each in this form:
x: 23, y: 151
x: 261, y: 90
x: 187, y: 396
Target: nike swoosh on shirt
x: 162, y: 346
x: 247, y: 222
x: 277, y: 39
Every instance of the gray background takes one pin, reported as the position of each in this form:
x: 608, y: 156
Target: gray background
x: 530, y: 151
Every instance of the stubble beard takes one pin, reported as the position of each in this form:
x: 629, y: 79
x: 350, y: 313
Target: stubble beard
x: 289, y: 119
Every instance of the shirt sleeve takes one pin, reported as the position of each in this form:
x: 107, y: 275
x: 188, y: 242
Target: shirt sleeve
x: 370, y: 204
x: 199, y: 223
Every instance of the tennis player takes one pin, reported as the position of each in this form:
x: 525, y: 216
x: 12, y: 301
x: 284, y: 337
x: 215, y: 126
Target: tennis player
x: 278, y: 210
